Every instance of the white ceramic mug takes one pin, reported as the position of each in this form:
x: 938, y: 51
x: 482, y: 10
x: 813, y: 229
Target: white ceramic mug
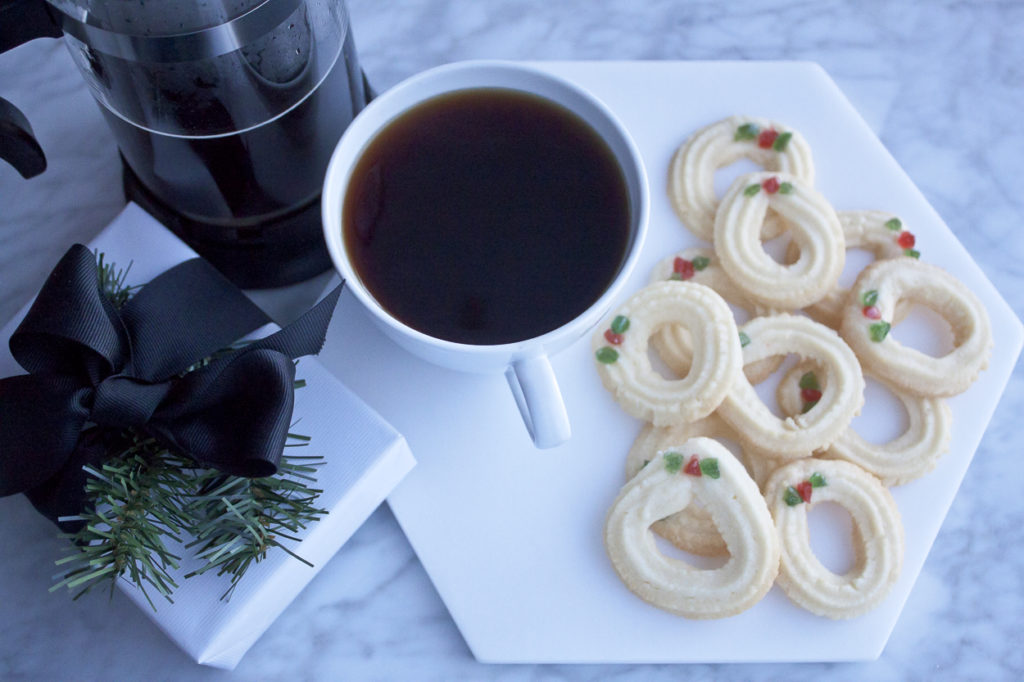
x: 525, y: 362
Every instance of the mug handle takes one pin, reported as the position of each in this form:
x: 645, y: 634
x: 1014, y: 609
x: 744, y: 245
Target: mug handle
x: 539, y: 399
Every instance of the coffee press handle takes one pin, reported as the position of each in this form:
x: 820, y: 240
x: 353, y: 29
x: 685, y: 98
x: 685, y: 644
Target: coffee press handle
x: 21, y: 21
x: 18, y: 145
x: 25, y: 20
x: 540, y: 401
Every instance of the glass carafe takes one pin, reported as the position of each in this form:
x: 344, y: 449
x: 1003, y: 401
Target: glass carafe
x: 226, y: 113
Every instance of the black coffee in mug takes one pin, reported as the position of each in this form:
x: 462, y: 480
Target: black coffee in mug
x: 487, y: 216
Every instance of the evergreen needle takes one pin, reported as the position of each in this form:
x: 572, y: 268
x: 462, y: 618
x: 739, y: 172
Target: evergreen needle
x: 91, y: 576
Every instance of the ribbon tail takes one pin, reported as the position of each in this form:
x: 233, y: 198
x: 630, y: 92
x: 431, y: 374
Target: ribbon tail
x: 63, y: 494
x: 41, y: 417
x: 306, y: 335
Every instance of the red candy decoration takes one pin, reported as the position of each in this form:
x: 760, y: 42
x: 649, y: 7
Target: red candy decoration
x: 683, y: 267
x: 804, y: 490
x: 613, y: 338
x: 906, y: 240
x: 810, y: 395
x: 771, y: 185
x: 693, y: 466
x: 767, y: 138
x: 872, y: 313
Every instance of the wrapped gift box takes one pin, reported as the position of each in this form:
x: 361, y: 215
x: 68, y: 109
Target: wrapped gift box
x: 364, y: 459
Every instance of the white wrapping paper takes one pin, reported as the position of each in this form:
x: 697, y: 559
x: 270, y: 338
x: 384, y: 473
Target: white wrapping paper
x: 365, y: 458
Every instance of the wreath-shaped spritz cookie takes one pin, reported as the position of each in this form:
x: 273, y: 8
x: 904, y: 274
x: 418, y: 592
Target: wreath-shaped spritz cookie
x: 691, y: 180
x: 868, y: 315
x: 881, y: 233
x: 700, y: 266
x: 908, y: 456
x: 812, y: 223
x: 797, y: 436
x: 691, y: 529
x: 620, y: 350
x: 703, y: 469
x: 877, y: 536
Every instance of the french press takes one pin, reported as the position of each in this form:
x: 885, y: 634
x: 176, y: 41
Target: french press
x: 225, y: 113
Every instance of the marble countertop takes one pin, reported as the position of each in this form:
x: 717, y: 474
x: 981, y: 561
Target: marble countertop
x: 941, y: 83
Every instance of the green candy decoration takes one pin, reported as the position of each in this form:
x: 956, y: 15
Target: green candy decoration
x: 879, y: 330
x: 620, y: 324
x: 709, y: 467
x: 747, y: 131
x: 791, y: 497
x: 781, y: 142
x: 751, y: 190
x: 673, y: 462
x: 606, y: 355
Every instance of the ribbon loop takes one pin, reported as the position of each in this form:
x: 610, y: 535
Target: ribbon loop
x: 147, y: 367
x: 200, y: 313
x: 71, y: 327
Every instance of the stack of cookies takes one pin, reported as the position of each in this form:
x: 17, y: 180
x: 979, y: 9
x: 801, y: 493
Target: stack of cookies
x: 683, y: 484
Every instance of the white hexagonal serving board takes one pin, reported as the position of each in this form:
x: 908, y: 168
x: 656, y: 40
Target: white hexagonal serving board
x: 512, y: 536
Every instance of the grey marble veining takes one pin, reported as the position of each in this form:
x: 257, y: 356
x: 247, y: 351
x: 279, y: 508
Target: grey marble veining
x: 942, y: 82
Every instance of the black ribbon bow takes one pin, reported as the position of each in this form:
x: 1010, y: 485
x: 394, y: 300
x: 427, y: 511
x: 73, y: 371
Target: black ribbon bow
x: 95, y: 370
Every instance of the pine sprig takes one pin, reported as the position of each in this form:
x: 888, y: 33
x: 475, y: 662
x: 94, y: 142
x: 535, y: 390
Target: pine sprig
x: 113, y: 281
x: 240, y: 519
x: 146, y: 496
x: 138, y: 502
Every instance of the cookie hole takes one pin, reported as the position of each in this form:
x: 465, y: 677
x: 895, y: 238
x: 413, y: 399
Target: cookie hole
x: 856, y: 260
x: 741, y: 315
x: 831, y: 530
x: 726, y: 175
x: 758, y: 371
x: 659, y: 365
x: 883, y: 418
x: 704, y: 563
x: 924, y: 330
x: 778, y: 247
x: 767, y: 389
x: 789, y: 397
